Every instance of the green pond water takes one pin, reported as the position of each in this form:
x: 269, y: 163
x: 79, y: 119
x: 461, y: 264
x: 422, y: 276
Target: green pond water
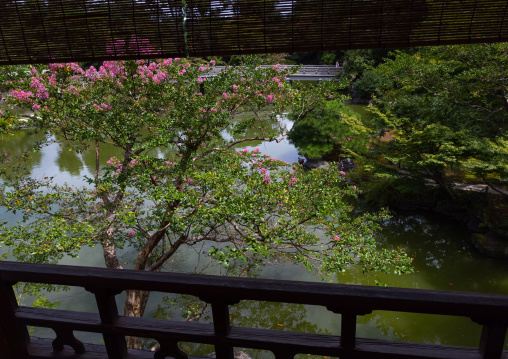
x: 443, y: 260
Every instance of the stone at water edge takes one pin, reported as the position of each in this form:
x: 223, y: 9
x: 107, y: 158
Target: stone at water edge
x: 490, y: 246
x: 312, y: 163
x: 347, y: 165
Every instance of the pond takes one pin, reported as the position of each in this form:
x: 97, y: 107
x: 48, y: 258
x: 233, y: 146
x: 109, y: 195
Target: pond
x: 443, y: 260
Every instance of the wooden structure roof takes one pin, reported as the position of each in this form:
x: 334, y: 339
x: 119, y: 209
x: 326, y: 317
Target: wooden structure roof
x: 42, y: 31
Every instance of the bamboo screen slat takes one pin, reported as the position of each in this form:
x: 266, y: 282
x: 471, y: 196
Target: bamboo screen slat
x: 41, y: 31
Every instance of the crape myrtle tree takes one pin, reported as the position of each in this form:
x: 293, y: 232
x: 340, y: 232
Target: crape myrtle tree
x: 247, y: 207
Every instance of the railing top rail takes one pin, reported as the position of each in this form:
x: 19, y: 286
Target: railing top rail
x: 491, y: 307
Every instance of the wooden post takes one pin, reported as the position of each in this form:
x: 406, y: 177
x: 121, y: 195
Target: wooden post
x: 492, y: 341
x: 348, y: 330
x: 116, y: 345
x: 221, y: 324
x: 14, y: 337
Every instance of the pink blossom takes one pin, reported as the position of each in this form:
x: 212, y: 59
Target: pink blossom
x: 203, y: 144
x: 246, y: 150
x: 35, y: 107
x: 201, y: 68
x: 292, y: 181
x: 256, y: 149
x: 6, y: 154
x: 131, y: 233
x: 266, y: 179
x: 354, y: 187
x: 235, y: 87
x: 200, y: 80
x: 331, y: 96
x: 269, y: 99
x: 166, y: 62
x: 342, y: 173
x: 225, y: 95
x: 336, y: 238
x: 177, y: 59
x: 182, y: 72
x: 262, y: 170
x: 180, y: 155
x: 22, y: 95
x: 212, y: 62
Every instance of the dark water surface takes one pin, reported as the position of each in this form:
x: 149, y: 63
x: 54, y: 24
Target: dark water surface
x: 443, y: 260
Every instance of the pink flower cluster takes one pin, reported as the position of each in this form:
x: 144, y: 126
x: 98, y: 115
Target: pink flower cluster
x: 22, y: 95
x: 292, y: 181
x: 72, y: 66
x: 102, y: 106
x: 40, y: 89
x: 152, y: 72
x: 116, y: 163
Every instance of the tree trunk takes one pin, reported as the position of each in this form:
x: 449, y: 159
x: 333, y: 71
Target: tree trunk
x: 439, y: 178
x: 135, y: 305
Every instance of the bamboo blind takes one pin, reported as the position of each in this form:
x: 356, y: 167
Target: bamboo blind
x: 41, y: 31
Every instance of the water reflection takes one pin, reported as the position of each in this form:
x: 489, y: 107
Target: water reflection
x: 443, y: 259
x: 423, y: 328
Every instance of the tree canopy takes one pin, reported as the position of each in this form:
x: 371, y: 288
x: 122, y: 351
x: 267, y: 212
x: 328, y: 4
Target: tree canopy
x: 180, y: 178
x: 446, y: 108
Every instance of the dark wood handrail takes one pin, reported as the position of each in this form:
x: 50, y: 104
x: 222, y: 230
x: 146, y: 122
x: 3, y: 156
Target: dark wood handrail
x: 489, y: 310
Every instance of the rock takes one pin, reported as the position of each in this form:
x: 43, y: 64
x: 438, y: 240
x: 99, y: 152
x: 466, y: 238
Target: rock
x: 490, y: 246
x: 236, y: 355
x: 312, y: 163
x: 474, y: 224
x: 347, y: 165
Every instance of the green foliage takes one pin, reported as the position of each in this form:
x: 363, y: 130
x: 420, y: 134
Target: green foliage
x: 445, y: 108
x: 330, y: 131
x: 366, y: 86
x: 384, y: 187
x: 356, y: 62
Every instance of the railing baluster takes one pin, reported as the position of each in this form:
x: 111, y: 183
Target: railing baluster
x: 221, y: 325
x: 116, y: 345
x: 14, y: 337
x: 492, y: 341
x: 348, y: 330
x: 66, y: 337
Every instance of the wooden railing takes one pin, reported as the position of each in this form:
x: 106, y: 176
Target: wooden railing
x: 489, y: 310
